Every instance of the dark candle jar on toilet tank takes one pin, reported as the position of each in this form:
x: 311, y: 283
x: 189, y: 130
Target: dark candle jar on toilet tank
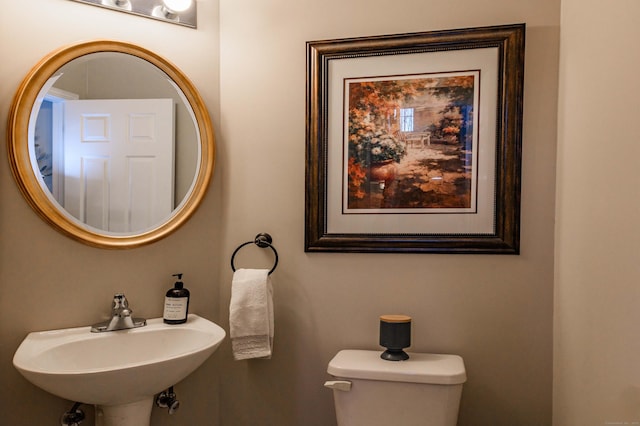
x: 395, y: 335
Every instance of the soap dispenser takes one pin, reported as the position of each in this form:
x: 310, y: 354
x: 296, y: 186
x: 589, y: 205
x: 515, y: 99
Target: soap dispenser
x: 176, y: 303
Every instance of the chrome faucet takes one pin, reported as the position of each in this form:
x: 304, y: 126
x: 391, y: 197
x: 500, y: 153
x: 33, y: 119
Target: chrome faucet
x: 121, y: 318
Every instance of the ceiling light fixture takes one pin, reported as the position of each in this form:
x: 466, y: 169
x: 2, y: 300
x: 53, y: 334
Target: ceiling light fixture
x: 182, y: 12
x: 171, y: 9
x: 121, y: 4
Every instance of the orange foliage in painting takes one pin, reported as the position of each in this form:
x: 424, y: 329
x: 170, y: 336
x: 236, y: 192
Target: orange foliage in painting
x: 381, y: 98
x: 356, y: 178
x: 462, y: 81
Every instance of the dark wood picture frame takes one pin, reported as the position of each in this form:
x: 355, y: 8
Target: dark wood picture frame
x: 504, y: 46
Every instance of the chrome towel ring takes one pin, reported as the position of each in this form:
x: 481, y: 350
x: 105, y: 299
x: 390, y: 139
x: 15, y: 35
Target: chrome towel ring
x: 262, y: 240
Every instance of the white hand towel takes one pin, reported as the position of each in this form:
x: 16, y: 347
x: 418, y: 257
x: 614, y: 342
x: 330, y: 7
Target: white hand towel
x: 251, y: 314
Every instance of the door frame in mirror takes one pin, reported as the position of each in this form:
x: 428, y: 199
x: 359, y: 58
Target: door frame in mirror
x: 28, y: 182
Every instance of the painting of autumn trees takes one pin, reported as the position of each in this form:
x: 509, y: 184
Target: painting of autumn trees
x: 409, y: 143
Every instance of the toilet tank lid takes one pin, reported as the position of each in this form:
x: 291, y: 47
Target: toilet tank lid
x: 419, y: 368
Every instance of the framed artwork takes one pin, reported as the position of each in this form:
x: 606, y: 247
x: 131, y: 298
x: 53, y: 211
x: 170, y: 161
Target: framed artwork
x: 414, y: 142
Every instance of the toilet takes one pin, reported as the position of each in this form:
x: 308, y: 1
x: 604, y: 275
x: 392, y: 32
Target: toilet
x: 424, y: 390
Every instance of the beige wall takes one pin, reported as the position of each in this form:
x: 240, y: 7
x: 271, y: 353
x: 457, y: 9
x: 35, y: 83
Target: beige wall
x: 596, y: 374
x: 495, y: 311
x: 50, y: 281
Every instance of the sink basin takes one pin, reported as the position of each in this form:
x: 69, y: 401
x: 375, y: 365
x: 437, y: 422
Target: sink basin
x: 117, y: 367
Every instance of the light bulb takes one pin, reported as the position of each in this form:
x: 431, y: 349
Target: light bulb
x: 177, y: 5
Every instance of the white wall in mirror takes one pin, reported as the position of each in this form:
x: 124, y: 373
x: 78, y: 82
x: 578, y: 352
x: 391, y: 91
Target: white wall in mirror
x: 116, y: 76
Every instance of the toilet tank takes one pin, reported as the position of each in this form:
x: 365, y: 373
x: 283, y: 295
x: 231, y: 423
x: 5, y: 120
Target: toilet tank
x: 424, y: 390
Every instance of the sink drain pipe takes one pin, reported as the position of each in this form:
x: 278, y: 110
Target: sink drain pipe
x: 167, y: 399
x: 73, y: 417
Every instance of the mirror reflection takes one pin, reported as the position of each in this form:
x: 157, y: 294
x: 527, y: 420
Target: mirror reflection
x: 114, y: 142
x: 110, y: 144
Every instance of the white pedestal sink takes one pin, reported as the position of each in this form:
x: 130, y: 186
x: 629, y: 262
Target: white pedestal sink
x: 117, y: 371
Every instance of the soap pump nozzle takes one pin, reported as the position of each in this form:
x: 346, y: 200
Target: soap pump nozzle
x: 179, y: 284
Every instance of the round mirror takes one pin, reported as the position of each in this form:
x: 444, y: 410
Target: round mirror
x: 110, y: 143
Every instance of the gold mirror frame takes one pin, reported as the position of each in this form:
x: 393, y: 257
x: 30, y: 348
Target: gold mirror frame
x: 28, y: 183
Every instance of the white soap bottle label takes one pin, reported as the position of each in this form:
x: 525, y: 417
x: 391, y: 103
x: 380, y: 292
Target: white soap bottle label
x: 175, y: 308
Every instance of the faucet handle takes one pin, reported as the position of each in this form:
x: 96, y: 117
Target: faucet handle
x: 119, y: 301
